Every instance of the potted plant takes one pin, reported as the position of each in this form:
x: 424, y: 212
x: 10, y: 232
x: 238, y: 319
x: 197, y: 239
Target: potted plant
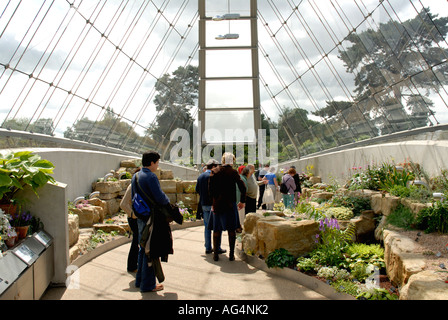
x: 21, y: 223
x: 20, y: 169
x: 7, y: 232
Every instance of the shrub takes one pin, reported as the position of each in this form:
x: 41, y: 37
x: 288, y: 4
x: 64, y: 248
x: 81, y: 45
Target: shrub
x: 279, y: 258
x: 356, y: 204
x: 307, y: 264
x: 401, y: 217
x: 346, y: 286
x: 341, y: 213
x: 434, y: 219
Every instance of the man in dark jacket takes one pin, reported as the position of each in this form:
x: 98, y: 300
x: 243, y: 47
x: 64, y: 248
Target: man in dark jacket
x: 206, y: 203
x: 149, y: 184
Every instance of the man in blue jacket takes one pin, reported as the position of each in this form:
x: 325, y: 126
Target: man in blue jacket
x: 149, y: 183
x: 206, y: 202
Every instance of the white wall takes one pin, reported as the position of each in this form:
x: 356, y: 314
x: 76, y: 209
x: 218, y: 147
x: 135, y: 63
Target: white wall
x: 431, y: 155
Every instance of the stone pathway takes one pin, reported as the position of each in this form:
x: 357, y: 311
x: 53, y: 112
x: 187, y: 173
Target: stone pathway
x: 190, y: 275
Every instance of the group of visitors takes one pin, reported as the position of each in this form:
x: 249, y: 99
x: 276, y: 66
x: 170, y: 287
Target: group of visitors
x: 226, y: 196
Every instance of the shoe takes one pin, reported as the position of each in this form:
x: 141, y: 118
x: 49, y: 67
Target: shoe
x: 231, y: 256
x: 208, y: 251
x: 221, y: 251
x: 158, y: 287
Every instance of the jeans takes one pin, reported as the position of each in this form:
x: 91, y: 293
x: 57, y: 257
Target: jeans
x: 288, y: 201
x: 206, y: 212
x: 145, y: 278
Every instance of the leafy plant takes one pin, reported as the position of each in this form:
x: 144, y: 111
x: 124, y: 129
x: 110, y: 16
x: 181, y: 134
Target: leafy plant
x: 401, y: 217
x: 279, y: 258
x: 434, y: 219
x: 346, y: 286
x: 356, y: 204
x: 307, y: 264
x: 20, y: 169
x: 361, y: 259
x: 376, y: 294
x: 341, y: 213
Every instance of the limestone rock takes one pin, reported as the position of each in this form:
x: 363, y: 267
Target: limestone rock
x: 130, y: 163
x: 107, y: 187
x: 425, y: 285
x: 365, y: 226
x: 113, y: 206
x: 376, y: 202
x: 401, y: 261
x: 315, y: 179
x: 323, y: 195
x: 168, y: 186
x: 86, y: 216
x: 73, y: 229
x: 108, y: 228
x: 166, y: 175
x: 250, y: 223
x: 189, y: 186
x: 388, y: 204
x: 298, y: 237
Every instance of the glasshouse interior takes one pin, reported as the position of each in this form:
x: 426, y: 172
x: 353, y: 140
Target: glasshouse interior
x: 335, y: 112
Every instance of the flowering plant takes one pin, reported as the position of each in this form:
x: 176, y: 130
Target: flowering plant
x: 331, y: 242
x: 21, y: 219
x: 6, y: 230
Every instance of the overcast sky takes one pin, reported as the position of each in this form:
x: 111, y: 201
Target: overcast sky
x: 70, y: 54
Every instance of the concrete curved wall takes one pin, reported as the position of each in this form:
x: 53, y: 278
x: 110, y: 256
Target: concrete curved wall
x: 79, y: 168
x: 431, y: 155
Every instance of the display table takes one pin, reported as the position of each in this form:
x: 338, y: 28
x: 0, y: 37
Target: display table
x: 27, y: 269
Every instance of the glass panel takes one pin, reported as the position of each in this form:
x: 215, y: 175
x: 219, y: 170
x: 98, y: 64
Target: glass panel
x: 229, y: 126
x: 221, y: 28
x: 229, y: 94
x: 229, y: 63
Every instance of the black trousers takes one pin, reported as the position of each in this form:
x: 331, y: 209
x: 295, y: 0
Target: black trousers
x: 133, y: 252
x: 260, y: 196
x: 251, y: 205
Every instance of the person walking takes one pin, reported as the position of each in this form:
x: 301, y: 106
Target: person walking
x: 271, y: 178
x: 205, y: 202
x: 288, y: 180
x: 126, y: 206
x: 259, y: 175
x: 252, y: 188
x: 146, y: 183
x: 223, y: 182
x: 298, y: 190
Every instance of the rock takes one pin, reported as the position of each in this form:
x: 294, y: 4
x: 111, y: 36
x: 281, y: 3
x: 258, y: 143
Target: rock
x: 112, y: 206
x: 108, y: 196
x: 168, y: 186
x: 323, y: 195
x: 250, y: 223
x: 166, y: 175
x: 107, y: 187
x: 388, y: 204
x: 73, y: 229
x: 425, y: 285
x: 188, y: 186
x: 86, y: 216
x: 108, y: 228
x: 365, y: 226
x: 189, y: 199
x: 298, y: 237
x: 131, y: 163
x: 376, y: 201
x: 401, y: 261
x: 315, y: 179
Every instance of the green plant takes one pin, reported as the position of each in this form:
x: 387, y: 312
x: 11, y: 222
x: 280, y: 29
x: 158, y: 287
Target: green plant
x: 307, y: 264
x: 401, y: 217
x: 390, y: 177
x: 331, y: 242
x: 346, y: 286
x: 361, y: 259
x: 376, y: 294
x: 341, y: 213
x: 279, y: 258
x: 21, y: 169
x: 434, y: 218
x: 356, y: 204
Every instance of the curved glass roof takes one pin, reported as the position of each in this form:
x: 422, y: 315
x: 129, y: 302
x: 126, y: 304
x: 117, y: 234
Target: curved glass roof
x: 125, y: 74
